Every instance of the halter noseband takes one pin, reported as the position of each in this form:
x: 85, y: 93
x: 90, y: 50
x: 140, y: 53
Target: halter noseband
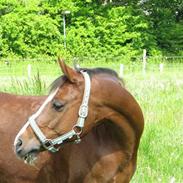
x: 50, y: 144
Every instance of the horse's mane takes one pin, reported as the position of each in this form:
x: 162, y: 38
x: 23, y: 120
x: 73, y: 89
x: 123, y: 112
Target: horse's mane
x: 99, y: 70
x: 60, y: 80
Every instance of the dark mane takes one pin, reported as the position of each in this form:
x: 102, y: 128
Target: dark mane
x: 60, y: 80
x: 101, y: 71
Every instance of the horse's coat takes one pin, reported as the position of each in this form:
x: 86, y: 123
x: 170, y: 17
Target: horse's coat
x: 110, y: 138
x: 14, y: 111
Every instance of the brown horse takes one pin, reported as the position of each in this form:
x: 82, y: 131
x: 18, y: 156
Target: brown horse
x: 109, y: 122
x: 14, y: 111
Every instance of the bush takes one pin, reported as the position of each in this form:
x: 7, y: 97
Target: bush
x: 34, y: 28
x: 29, y: 35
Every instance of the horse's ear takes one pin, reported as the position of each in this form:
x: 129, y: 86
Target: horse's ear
x: 70, y: 73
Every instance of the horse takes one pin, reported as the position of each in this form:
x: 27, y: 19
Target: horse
x: 90, y: 123
x: 14, y: 110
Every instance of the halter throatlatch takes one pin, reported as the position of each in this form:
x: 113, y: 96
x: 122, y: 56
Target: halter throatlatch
x: 53, y: 144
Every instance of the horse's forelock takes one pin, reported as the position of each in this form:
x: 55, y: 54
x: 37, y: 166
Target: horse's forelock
x: 57, y: 83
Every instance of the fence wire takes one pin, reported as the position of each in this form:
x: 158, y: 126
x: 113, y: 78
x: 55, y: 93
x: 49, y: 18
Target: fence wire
x: 49, y: 67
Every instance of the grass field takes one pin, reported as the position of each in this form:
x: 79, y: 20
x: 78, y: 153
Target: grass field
x: 159, y: 94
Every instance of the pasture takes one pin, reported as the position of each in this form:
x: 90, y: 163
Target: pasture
x: 159, y: 94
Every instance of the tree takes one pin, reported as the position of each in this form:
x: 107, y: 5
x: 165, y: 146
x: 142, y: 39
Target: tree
x: 165, y: 18
x: 29, y: 35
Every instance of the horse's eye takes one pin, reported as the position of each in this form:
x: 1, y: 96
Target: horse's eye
x: 57, y: 105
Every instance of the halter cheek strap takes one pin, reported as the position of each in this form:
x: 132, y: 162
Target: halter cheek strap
x: 50, y: 144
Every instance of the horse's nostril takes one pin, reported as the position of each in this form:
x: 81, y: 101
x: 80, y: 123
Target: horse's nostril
x: 19, y: 143
x: 19, y: 151
x: 19, y: 147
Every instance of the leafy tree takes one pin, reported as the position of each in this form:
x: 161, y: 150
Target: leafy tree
x: 109, y: 30
x: 31, y: 28
x: 29, y: 35
x: 165, y: 17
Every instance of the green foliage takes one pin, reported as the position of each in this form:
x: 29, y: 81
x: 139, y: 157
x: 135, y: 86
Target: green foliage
x: 115, y: 31
x: 172, y: 40
x: 166, y: 20
x: 94, y: 28
x: 29, y: 35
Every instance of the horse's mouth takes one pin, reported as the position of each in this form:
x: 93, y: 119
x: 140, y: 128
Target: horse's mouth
x: 31, y: 157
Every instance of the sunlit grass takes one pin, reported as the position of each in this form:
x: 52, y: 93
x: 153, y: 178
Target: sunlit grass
x: 161, y: 150
x: 31, y: 86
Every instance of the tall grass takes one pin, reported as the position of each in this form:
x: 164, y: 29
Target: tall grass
x: 25, y: 86
x: 161, y: 150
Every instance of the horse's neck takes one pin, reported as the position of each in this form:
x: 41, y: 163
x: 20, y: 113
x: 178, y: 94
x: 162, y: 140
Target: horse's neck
x: 118, y: 105
x: 108, y: 131
x: 127, y: 135
x: 17, y: 108
x: 20, y: 99
x: 123, y: 112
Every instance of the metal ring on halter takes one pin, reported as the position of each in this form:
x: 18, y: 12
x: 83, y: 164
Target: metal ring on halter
x: 77, y: 129
x: 48, y: 144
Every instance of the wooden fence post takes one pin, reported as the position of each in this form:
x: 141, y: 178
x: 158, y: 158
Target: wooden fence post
x: 29, y: 71
x: 121, y: 71
x: 144, y: 61
x: 161, y: 67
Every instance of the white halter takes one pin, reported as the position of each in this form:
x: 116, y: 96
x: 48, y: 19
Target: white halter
x: 49, y: 144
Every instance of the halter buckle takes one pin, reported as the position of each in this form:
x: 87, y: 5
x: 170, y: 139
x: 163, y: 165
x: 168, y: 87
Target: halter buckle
x: 47, y: 143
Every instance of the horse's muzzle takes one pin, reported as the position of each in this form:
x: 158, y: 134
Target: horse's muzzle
x: 27, y: 151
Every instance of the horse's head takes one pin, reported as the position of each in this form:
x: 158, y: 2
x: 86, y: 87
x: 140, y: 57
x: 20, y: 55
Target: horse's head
x: 63, y: 117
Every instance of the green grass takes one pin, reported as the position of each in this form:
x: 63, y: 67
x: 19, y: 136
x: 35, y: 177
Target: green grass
x: 161, y: 150
x: 32, y: 86
x: 160, y: 95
